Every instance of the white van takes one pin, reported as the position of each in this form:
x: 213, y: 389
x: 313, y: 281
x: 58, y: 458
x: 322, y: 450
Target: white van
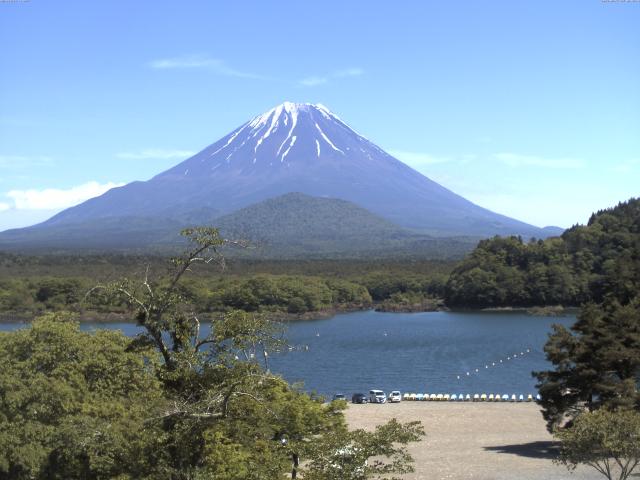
x: 396, y: 396
x: 377, y: 396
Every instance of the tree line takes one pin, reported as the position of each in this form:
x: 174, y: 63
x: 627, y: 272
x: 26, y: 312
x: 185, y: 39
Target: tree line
x: 587, y: 263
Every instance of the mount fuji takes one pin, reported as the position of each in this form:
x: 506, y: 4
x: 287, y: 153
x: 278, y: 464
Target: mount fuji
x: 294, y: 147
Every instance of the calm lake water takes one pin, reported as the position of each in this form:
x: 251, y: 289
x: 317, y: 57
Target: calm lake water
x: 411, y: 352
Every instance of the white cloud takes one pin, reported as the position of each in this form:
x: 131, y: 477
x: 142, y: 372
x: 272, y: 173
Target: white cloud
x: 627, y: 166
x: 349, y: 72
x: 21, y: 161
x: 417, y: 159
x: 54, y: 198
x: 517, y: 160
x: 315, y: 80
x: 4, y: 207
x: 200, y: 61
x: 157, y: 153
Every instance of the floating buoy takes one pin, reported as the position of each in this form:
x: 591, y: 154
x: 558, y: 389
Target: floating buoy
x: 458, y: 377
x: 467, y: 374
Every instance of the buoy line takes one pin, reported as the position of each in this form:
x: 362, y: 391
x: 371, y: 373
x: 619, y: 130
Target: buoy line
x: 492, y: 364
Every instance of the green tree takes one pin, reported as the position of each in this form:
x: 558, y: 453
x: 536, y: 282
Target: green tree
x: 605, y: 440
x: 596, y: 363
x: 75, y: 404
x: 348, y: 455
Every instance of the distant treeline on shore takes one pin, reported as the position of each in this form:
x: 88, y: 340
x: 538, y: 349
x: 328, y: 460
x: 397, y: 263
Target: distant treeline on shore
x: 578, y: 267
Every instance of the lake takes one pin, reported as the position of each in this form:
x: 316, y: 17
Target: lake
x: 427, y: 352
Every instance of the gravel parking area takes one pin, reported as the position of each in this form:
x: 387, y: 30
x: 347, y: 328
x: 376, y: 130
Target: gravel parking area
x: 480, y: 441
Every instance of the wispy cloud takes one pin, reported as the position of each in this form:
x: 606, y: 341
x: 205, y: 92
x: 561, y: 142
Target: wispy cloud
x: 315, y: 80
x: 155, y: 153
x: 55, y: 198
x: 16, y: 162
x: 518, y: 160
x: 215, y: 65
x: 627, y: 166
x: 417, y: 159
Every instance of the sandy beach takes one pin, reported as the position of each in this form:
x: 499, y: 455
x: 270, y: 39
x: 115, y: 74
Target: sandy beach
x: 479, y: 441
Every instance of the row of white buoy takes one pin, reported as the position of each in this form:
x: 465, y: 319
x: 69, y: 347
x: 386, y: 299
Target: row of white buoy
x: 497, y: 363
x: 440, y: 397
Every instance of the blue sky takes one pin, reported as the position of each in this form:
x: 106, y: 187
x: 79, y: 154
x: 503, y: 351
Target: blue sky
x: 531, y: 109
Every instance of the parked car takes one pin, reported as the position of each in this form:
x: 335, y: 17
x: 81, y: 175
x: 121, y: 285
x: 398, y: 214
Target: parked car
x: 359, y: 398
x: 377, y: 396
x: 339, y: 396
x: 395, y: 396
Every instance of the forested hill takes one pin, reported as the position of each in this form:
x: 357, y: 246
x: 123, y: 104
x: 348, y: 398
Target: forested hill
x: 579, y: 266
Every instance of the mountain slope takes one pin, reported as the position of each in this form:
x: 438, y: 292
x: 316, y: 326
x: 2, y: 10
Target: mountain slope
x: 295, y: 224
x: 302, y: 148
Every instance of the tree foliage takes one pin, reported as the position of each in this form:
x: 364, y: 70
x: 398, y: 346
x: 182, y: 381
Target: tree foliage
x: 597, y: 363
x: 177, y: 402
x: 75, y: 404
x: 607, y: 441
x: 587, y: 263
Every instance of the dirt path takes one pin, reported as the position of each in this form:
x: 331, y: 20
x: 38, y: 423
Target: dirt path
x: 480, y: 441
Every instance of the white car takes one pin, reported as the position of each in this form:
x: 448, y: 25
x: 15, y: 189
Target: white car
x: 395, y: 396
x: 377, y: 396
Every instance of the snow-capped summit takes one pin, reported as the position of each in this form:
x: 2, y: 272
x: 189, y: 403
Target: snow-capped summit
x: 288, y: 134
x: 296, y: 147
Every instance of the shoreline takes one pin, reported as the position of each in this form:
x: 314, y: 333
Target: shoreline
x: 286, y: 317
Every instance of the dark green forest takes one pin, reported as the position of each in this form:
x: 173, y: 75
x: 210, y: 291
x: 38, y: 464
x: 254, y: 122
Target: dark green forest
x: 37, y: 284
x: 585, y: 264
